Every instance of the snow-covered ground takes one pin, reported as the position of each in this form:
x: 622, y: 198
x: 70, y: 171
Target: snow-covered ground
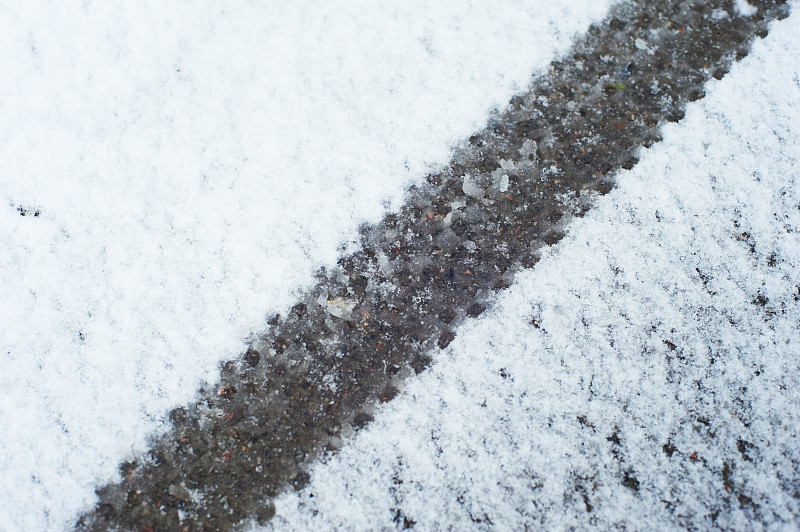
x: 173, y: 172
x: 644, y: 376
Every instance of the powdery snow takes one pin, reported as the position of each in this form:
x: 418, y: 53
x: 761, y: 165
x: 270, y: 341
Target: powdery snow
x: 184, y: 168
x: 645, y: 375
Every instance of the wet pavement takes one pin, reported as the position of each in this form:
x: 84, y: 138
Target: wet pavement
x: 317, y: 374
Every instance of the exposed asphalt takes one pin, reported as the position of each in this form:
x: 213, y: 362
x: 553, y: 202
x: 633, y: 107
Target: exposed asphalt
x: 316, y: 375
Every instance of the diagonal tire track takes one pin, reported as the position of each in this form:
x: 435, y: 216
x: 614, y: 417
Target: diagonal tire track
x: 317, y: 374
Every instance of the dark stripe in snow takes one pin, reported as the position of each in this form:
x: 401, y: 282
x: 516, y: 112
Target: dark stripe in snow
x: 317, y: 374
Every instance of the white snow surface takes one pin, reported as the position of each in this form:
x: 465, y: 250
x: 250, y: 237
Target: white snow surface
x: 665, y: 322
x: 192, y: 163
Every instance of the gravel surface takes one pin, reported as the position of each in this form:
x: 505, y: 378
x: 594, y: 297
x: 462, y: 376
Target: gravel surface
x: 316, y: 375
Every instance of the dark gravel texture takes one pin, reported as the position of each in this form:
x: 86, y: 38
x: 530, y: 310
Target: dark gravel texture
x: 317, y: 374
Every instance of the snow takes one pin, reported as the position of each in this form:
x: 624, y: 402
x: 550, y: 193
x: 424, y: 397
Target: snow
x: 183, y: 168
x: 645, y: 375
x: 744, y: 8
